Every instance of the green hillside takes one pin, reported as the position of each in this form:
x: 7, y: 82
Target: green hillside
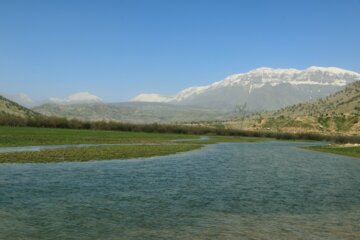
x: 11, y: 109
x: 346, y: 102
x: 336, y: 113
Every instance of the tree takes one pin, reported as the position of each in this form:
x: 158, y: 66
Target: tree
x: 240, y: 111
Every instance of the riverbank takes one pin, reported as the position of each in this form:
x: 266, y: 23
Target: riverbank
x: 80, y: 154
x: 352, y: 150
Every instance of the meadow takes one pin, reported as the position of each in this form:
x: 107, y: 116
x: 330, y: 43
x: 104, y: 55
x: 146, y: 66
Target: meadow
x: 27, y: 136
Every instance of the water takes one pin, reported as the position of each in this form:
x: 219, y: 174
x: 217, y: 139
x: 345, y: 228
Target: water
x: 271, y: 190
x: 45, y: 147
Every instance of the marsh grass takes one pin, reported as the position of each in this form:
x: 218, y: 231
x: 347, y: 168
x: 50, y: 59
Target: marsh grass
x: 146, y: 144
x: 353, y: 151
x: 95, y: 153
x: 24, y: 136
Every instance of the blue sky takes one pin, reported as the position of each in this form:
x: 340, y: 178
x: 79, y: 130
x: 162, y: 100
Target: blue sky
x: 118, y: 49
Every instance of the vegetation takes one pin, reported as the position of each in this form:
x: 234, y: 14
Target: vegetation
x: 338, y: 113
x: 25, y: 136
x: 146, y: 144
x: 344, y: 102
x: 9, y: 108
x: 353, y: 151
x: 94, y: 153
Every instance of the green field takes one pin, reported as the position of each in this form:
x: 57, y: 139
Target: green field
x: 25, y: 136
x: 338, y: 149
x: 147, y: 144
x: 94, y: 153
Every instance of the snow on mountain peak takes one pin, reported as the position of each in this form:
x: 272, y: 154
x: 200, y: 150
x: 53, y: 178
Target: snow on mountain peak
x: 267, y: 70
x: 79, y: 97
x: 331, y: 70
x: 259, y: 77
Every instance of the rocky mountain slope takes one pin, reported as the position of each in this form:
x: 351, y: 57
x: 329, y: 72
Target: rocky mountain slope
x: 345, y: 102
x: 338, y: 112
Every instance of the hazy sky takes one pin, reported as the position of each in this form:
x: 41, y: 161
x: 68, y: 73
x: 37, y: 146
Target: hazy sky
x: 118, y: 49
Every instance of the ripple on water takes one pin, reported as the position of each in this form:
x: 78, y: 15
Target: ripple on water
x: 270, y: 190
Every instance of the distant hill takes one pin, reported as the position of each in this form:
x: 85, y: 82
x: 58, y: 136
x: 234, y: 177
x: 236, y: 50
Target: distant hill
x: 338, y: 112
x: 10, y: 108
x: 131, y: 112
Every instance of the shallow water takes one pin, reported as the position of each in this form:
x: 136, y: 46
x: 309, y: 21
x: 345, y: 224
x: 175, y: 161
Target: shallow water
x: 270, y: 190
x: 44, y: 147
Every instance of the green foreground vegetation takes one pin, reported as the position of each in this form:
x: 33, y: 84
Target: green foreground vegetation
x: 352, y: 151
x: 25, y: 136
x: 146, y: 144
x: 94, y: 153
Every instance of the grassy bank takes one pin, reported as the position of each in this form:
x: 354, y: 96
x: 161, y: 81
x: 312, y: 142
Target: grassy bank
x: 353, y: 151
x: 25, y: 136
x: 94, y: 153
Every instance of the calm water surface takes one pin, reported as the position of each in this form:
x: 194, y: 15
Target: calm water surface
x: 271, y: 190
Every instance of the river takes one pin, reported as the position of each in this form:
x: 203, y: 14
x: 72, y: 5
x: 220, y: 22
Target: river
x: 268, y: 190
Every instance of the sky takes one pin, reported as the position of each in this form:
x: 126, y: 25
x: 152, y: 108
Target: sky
x: 118, y: 49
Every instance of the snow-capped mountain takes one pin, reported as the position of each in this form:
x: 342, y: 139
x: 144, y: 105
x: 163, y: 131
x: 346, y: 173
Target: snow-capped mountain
x: 262, y: 88
x: 80, y: 97
x: 151, y: 97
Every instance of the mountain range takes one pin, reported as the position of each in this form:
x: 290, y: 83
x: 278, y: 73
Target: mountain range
x: 134, y: 112
x: 76, y: 98
x: 261, y: 89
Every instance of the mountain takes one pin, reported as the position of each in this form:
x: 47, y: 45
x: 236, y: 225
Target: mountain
x: 76, y: 98
x: 345, y: 102
x: 131, y: 112
x: 338, y: 112
x: 10, y: 108
x: 262, y: 89
x: 80, y: 97
x: 151, y: 97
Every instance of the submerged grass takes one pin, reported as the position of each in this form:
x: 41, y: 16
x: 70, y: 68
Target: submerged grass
x: 352, y: 151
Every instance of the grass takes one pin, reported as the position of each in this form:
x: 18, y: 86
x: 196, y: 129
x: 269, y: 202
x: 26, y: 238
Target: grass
x: 353, y: 151
x: 94, y: 153
x: 148, y: 144
x: 26, y: 136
